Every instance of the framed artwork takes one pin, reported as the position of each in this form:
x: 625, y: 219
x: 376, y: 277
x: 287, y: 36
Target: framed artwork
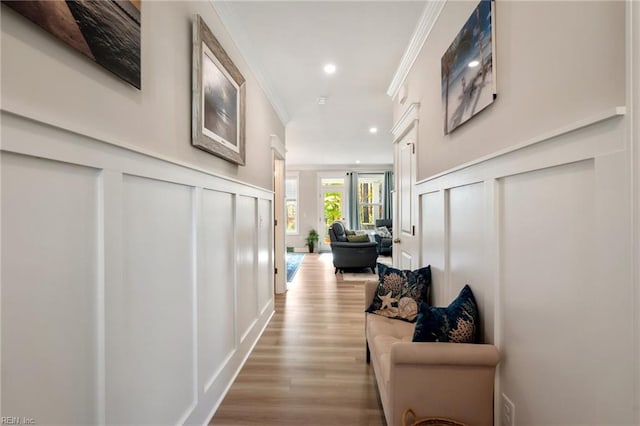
x: 218, y: 98
x: 107, y: 32
x: 468, y: 69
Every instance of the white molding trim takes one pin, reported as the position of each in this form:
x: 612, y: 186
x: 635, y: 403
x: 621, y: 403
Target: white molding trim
x: 585, y: 122
x: 368, y: 168
x: 430, y: 14
x: 235, y: 375
x: 27, y: 139
x: 244, y: 45
x: 278, y: 147
x: 632, y: 53
x: 404, y: 123
x: 109, y: 141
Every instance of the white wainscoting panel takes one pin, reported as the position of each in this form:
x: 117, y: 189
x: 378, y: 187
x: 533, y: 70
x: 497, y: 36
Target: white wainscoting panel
x: 146, y: 380
x: 216, y: 295
x: 50, y: 287
x: 467, y: 251
x: 432, y: 226
x: 247, y: 299
x: 133, y: 288
x: 265, y: 255
x: 556, y: 305
x: 543, y: 235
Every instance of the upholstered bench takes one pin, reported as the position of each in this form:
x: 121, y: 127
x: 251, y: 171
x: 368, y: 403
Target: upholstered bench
x: 435, y: 379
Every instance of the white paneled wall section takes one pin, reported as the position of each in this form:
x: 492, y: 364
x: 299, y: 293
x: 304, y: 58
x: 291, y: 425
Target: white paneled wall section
x: 543, y: 234
x: 133, y: 288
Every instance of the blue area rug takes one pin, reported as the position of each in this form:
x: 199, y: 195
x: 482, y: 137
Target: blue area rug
x: 293, y: 263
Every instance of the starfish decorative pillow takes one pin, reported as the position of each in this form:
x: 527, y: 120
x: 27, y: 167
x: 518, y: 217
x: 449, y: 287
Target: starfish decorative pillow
x: 400, y: 292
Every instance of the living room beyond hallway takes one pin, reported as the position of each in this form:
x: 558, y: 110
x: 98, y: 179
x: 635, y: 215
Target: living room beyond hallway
x: 309, y: 365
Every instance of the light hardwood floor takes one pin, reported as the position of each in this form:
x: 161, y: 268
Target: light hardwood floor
x: 308, y: 367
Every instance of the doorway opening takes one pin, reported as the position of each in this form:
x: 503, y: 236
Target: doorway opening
x: 332, y: 207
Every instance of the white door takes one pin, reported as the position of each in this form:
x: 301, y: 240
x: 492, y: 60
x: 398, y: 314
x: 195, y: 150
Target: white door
x: 279, y: 225
x: 406, y: 248
x: 332, y: 207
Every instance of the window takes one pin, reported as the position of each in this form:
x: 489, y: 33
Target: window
x: 291, y: 203
x: 370, y: 199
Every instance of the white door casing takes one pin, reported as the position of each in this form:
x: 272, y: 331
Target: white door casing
x: 322, y: 190
x: 278, y: 153
x: 406, y: 247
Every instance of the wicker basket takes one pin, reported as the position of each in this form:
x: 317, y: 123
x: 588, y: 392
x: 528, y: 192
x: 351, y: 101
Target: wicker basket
x: 427, y: 421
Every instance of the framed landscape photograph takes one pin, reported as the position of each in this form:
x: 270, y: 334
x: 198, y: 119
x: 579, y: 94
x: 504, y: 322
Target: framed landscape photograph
x: 218, y: 98
x: 107, y: 32
x: 468, y: 69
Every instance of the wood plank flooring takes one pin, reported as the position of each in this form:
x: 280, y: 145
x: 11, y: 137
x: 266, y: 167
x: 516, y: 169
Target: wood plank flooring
x: 308, y: 368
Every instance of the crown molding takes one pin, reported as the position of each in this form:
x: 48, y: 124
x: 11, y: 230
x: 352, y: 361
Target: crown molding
x: 278, y: 147
x: 430, y: 14
x: 244, y: 45
x: 321, y: 168
x: 404, y: 123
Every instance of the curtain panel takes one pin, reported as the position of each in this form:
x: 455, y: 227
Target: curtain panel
x: 352, y: 178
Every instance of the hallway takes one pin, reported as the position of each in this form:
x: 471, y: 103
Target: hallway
x: 308, y: 367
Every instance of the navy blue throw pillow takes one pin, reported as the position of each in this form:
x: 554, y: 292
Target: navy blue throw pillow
x: 457, y: 323
x: 400, y: 292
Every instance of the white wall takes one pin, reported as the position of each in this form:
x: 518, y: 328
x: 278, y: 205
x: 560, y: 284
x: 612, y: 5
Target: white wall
x: 44, y: 79
x: 129, y: 294
x: 307, y: 208
x: 529, y: 203
x: 545, y: 78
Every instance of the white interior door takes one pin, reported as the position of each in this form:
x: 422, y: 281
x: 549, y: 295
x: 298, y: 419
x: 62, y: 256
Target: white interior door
x: 279, y: 225
x: 406, y: 242
x: 279, y: 215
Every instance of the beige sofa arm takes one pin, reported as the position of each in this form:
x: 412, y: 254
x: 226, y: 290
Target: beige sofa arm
x: 369, y: 292
x: 467, y: 354
x: 451, y: 380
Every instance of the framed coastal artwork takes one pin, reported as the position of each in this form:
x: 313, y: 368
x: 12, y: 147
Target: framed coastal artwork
x: 107, y: 32
x: 468, y: 68
x: 218, y: 99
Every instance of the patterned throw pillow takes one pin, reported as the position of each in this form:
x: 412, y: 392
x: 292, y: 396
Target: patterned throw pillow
x: 457, y: 323
x: 358, y: 238
x: 399, y: 292
x: 383, y: 232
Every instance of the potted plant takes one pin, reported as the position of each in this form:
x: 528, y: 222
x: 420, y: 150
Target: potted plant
x: 312, y: 239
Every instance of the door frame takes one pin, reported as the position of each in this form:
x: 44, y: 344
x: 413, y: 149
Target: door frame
x: 406, y: 239
x: 278, y: 158
x: 345, y: 206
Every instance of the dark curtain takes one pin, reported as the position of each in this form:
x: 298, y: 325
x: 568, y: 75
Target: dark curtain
x: 387, y: 207
x: 352, y: 177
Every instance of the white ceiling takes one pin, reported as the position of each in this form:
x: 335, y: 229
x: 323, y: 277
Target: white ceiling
x: 287, y: 43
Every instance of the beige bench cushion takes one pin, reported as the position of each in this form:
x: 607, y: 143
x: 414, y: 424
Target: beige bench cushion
x: 382, y: 333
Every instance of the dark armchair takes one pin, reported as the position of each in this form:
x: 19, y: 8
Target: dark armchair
x: 385, y: 244
x: 351, y: 254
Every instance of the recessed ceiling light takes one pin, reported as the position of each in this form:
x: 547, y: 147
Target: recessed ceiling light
x: 357, y: 161
x: 474, y: 64
x: 373, y: 130
x: 322, y: 100
x: 330, y: 68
